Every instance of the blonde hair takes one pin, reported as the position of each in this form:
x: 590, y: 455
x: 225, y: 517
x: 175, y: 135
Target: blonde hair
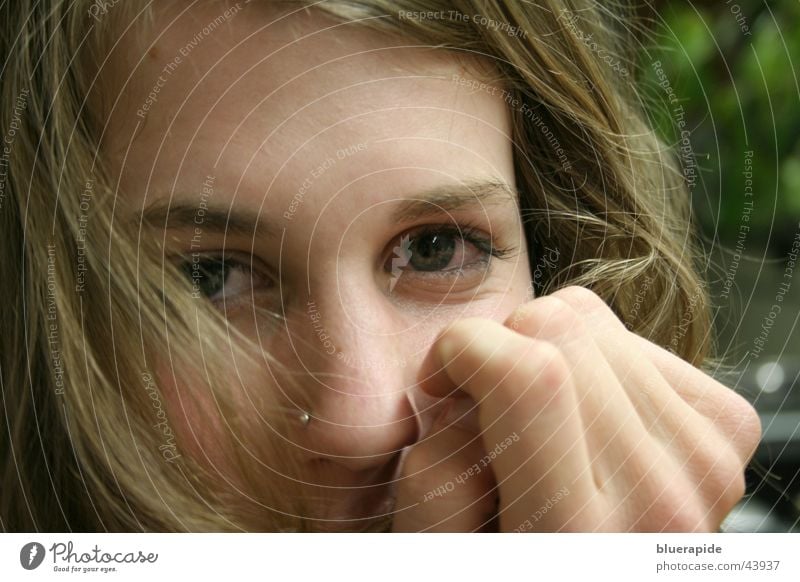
x: 85, y: 326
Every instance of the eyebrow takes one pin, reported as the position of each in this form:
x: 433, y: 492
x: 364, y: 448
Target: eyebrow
x: 434, y: 202
x: 182, y: 215
x: 451, y: 198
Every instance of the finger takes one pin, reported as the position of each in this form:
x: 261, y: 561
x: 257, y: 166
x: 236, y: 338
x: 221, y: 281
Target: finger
x: 603, y: 323
x: 528, y: 413
x: 729, y: 411
x: 670, y: 394
x: 704, y: 423
x: 441, y: 486
x: 614, y: 421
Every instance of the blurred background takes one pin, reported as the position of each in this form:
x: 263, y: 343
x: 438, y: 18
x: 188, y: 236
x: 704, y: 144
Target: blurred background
x: 734, y: 69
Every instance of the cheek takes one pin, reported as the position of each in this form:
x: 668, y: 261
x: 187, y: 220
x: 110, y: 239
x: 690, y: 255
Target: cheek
x: 201, y: 432
x: 192, y: 415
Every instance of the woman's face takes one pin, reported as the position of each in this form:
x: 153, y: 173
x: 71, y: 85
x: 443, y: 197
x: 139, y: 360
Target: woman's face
x: 352, y: 183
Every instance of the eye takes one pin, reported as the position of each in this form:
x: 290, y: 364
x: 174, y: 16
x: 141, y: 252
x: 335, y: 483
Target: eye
x: 451, y: 255
x: 441, y: 250
x: 223, y: 278
x: 432, y: 251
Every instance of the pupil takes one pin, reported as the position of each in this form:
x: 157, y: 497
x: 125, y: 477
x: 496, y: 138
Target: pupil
x: 432, y: 252
x: 207, y: 275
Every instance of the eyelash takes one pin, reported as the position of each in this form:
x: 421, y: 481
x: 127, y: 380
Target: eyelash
x: 232, y: 261
x: 470, y: 233
x: 466, y: 232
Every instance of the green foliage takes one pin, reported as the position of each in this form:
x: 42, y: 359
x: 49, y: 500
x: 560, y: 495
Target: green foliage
x: 740, y: 89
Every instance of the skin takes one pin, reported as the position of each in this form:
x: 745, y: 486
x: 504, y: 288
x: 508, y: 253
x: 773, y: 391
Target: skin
x: 640, y: 439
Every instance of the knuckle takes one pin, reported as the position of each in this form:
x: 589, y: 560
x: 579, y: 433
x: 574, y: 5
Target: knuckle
x: 585, y: 301
x: 580, y: 297
x: 541, y: 379
x: 748, y: 432
x: 547, y: 316
x: 733, y: 489
x: 740, y: 424
x: 726, y: 479
x: 719, y: 482
x: 549, y: 365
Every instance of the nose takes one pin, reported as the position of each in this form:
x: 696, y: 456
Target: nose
x: 358, y: 371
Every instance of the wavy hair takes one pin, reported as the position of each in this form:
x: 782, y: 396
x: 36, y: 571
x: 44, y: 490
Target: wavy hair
x: 92, y: 314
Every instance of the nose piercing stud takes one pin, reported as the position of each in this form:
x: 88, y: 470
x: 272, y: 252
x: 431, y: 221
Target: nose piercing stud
x: 301, y: 415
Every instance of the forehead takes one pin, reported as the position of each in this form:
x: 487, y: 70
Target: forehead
x: 263, y: 101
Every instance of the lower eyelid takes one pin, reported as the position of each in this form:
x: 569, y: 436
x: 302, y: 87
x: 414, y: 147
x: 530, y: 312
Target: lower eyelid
x: 479, y: 265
